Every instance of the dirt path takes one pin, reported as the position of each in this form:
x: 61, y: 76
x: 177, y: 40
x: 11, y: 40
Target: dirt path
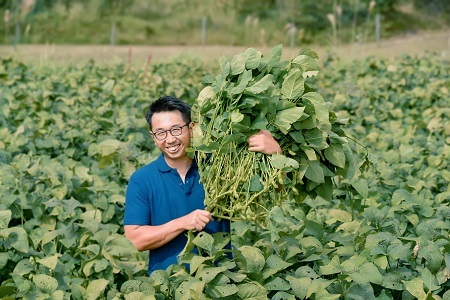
x: 414, y: 44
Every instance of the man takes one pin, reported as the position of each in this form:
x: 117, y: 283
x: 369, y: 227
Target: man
x: 164, y: 199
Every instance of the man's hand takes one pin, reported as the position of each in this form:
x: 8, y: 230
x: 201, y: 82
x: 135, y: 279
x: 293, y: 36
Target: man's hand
x: 197, y: 220
x: 263, y: 142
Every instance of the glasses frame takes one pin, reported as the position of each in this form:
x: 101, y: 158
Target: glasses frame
x: 170, y: 130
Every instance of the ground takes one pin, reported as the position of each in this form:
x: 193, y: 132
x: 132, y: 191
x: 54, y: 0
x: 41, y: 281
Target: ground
x: 413, y: 44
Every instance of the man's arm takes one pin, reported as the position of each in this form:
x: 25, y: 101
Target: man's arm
x: 147, y: 237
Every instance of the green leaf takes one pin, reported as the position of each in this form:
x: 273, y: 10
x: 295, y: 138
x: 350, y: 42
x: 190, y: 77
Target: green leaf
x: 277, y: 284
x: 318, y: 287
x: 321, y: 112
x: 286, y: 117
x: 108, y: 86
x: 276, y: 263
x: 49, y: 261
x: 197, y: 262
x: 60, y: 191
x: 252, y: 58
x: 96, y: 288
x: 220, y: 291
x: 5, y: 218
x: 314, y: 172
x: 236, y: 116
x: 335, y: 154
x: 362, y: 292
x: 310, y: 242
x: 433, y: 256
x: 251, y: 258
x: 306, y: 271
x: 243, y: 81
x: 17, y: 238
x: 393, y: 281
x: 340, y: 215
x: 399, y: 251
x: 274, y: 56
x: 207, y: 274
x: 255, y: 183
x: 307, y: 64
x: 221, y: 239
x: 224, y: 66
x: 261, y: 85
x: 316, y: 139
x: 415, y: 287
x: 293, y: 85
x: 281, y: 162
x: 429, y: 280
x: 361, y: 186
x: 333, y: 267
x: 315, y: 229
x: 45, y: 283
x: 204, y: 240
x: 299, y: 286
x: 237, y: 64
x: 252, y: 291
x: 308, y: 52
x: 368, y: 272
x: 4, y: 256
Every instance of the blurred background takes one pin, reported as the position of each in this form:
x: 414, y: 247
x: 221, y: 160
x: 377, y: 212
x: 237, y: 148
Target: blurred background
x: 224, y: 23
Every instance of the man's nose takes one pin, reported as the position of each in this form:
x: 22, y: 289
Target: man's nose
x: 170, y: 138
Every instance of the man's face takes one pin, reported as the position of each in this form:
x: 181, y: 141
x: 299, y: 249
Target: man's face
x: 173, y: 147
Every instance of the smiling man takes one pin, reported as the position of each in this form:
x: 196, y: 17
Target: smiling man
x: 165, y: 198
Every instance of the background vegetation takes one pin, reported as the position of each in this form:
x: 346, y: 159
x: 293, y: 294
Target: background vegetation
x: 71, y: 136
x: 228, y: 22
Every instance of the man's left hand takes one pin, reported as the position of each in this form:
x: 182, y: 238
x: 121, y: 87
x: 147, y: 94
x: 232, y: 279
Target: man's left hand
x: 263, y: 142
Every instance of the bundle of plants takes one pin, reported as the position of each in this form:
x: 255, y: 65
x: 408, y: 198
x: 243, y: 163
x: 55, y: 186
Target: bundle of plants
x: 252, y: 92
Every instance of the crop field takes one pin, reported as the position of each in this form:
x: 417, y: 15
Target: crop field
x: 71, y: 136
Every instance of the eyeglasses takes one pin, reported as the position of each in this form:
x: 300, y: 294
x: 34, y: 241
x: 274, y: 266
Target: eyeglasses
x: 174, y: 131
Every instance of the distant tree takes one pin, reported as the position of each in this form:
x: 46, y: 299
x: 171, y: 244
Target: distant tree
x: 111, y: 9
x: 440, y: 7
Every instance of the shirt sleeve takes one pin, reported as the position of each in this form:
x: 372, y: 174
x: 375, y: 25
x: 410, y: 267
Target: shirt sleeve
x: 137, y: 203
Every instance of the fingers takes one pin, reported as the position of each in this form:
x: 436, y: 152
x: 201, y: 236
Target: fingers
x: 263, y: 142
x: 198, y: 219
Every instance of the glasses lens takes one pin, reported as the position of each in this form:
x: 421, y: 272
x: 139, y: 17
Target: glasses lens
x: 176, y: 131
x: 160, y: 135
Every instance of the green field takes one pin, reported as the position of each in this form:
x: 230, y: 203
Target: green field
x: 73, y: 130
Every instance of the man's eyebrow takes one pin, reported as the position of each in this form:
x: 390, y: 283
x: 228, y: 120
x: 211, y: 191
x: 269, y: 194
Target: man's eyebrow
x: 162, y: 129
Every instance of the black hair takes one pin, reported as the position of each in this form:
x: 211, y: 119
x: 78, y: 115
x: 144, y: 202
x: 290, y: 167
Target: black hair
x: 168, y: 103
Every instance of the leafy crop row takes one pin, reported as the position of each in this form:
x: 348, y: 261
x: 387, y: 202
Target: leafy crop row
x: 252, y: 93
x: 70, y: 137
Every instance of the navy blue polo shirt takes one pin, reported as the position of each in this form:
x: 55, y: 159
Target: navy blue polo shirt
x: 155, y: 195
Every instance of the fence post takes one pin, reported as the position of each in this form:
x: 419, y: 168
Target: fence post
x: 204, y: 31
x: 17, y: 34
x: 113, y: 33
x: 377, y: 28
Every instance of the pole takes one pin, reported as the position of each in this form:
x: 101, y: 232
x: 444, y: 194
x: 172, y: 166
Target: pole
x: 17, y: 35
x: 113, y: 33
x: 204, y: 31
x: 377, y: 28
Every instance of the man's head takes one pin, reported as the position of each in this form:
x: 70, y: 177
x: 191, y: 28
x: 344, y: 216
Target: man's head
x: 167, y: 104
x: 171, y: 127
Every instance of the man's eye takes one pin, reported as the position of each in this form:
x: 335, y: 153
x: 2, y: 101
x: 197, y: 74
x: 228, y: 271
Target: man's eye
x: 160, y: 134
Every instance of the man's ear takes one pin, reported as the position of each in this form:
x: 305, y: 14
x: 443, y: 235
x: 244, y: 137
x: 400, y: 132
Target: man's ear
x: 151, y: 134
x: 191, y: 129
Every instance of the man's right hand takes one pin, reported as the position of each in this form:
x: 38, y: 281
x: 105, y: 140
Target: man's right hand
x: 197, y: 220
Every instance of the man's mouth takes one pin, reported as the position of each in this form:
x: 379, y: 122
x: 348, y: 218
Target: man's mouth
x: 173, y: 149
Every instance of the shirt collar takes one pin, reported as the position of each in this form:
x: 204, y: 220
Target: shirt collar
x: 164, y: 167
